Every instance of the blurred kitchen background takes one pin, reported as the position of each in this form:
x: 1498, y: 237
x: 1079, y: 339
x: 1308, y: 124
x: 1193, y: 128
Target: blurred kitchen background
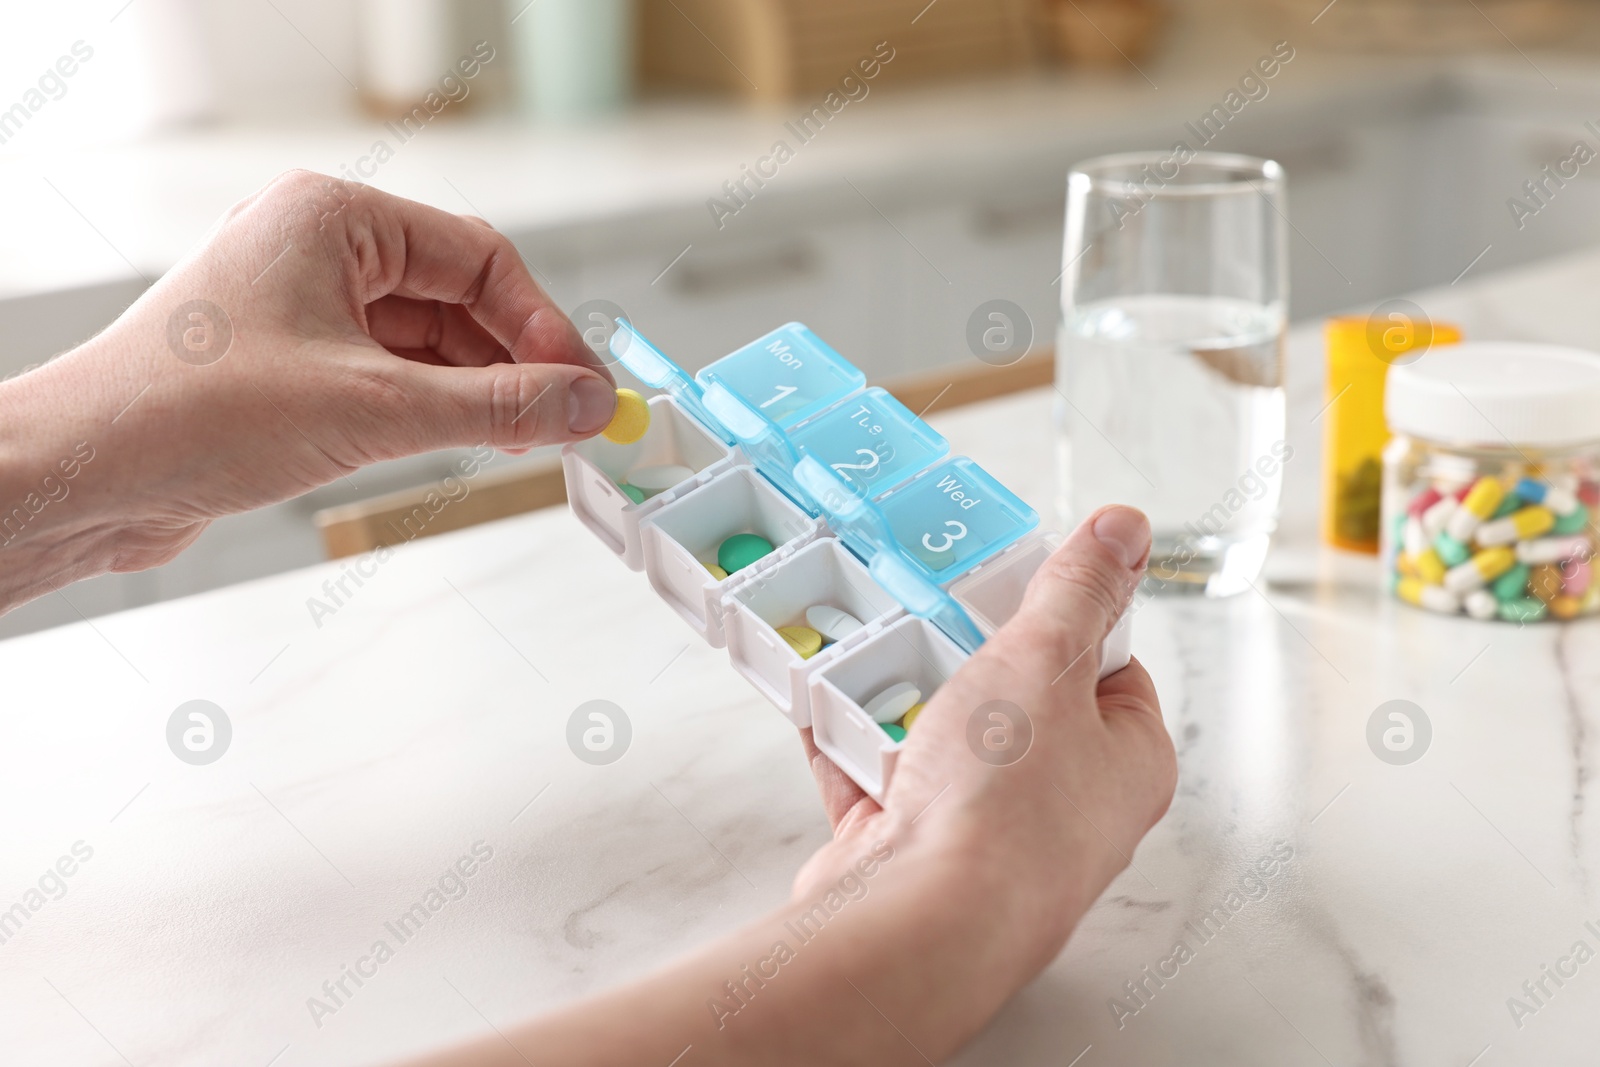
x: 599, y: 134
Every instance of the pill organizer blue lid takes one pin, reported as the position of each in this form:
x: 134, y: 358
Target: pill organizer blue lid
x: 870, y: 440
x: 875, y: 471
x: 651, y: 366
x: 789, y: 375
x: 923, y: 535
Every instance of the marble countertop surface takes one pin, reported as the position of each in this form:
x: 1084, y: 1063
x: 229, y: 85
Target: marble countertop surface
x: 375, y: 745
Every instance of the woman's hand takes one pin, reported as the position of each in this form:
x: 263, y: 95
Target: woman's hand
x: 322, y: 326
x: 908, y: 931
x: 1038, y: 831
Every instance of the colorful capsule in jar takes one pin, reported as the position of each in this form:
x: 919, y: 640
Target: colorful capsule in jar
x: 1413, y: 538
x: 1527, y: 609
x: 1479, y: 503
x: 1450, y: 550
x: 1572, y: 522
x: 1553, y: 549
x: 1565, y: 607
x: 1513, y: 584
x: 1532, y: 521
x: 1437, y: 516
x: 1544, y: 582
x: 1429, y: 567
x: 1576, y: 574
x: 1481, y: 569
x: 1558, y: 499
x: 1423, y: 501
x: 1431, y: 597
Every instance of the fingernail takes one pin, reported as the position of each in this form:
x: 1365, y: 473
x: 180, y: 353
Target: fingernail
x: 1126, y: 532
x: 590, y: 405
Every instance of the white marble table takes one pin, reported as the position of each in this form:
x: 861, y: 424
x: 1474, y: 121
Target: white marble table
x: 428, y: 714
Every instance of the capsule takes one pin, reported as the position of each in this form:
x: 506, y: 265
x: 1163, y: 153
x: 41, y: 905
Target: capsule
x: 1438, y: 515
x: 1429, y: 567
x: 1572, y: 522
x: 1479, y: 503
x: 1544, y: 582
x: 1565, y: 607
x: 1575, y: 577
x: 1450, y: 550
x: 1413, y: 536
x: 1432, y: 597
x: 1526, y: 610
x: 1553, y: 549
x: 1532, y: 521
x: 1557, y: 498
x: 1481, y: 569
x: 1513, y: 584
x: 1423, y: 501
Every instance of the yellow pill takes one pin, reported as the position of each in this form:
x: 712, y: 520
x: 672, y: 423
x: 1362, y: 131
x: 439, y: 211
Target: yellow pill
x: 911, y: 716
x: 1430, y: 568
x: 716, y: 572
x: 1406, y: 565
x: 1565, y: 607
x: 631, y: 421
x: 803, y: 639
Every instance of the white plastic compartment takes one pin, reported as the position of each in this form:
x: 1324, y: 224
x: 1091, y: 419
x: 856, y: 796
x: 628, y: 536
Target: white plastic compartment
x: 822, y: 572
x: 683, y: 536
x: 594, y: 467
x: 992, y: 592
x: 911, y: 650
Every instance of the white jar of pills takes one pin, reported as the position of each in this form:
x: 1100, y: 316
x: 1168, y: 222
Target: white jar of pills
x: 1491, y: 485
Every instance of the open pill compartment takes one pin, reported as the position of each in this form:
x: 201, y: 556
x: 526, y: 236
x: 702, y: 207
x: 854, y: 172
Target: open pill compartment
x: 910, y: 650
x: 864, y: 508
x: 681, y: 537
x: 822, y: 573
x: 595, y: 468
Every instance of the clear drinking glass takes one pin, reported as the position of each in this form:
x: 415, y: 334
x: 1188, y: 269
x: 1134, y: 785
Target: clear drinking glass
x: 1169, y: 364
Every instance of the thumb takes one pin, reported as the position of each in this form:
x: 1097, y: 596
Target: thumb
x: 507, y: 405
x: 1083, y: 588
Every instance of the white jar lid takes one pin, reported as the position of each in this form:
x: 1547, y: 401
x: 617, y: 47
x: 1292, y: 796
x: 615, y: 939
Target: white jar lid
x: 1494, y: 392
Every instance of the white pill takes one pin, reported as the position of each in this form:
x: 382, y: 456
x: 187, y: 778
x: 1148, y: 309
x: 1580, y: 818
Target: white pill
x: 1481, y: 604
x: 831, y: 623
x: 893, y: 702
x: 1438, y: 598
x: 1437, y: 515
x: 1415, y: 537
x: 1561, y: 500
x: 658, y: 479
x: 1553, y: 549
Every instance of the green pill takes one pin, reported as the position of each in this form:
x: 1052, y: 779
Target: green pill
x: 741, y: 550
x: 1525, y: 610
x: 1450, y: 550
x: 632, y: 492
x: 1572, y: 523
x: 1511, y: 503
x: 1512, y: 585
x: 896, y: 733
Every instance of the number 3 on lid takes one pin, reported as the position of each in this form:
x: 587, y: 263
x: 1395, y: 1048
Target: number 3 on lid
x: 954, y: 515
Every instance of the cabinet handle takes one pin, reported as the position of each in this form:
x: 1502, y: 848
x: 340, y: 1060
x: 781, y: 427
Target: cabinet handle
x: 780, y: 265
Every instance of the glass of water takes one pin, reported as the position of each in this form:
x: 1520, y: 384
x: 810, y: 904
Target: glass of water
x: 1169, y: 372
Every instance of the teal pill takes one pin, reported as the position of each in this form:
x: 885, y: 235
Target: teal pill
x: 1513, y: 584
x: 896, y: 733
x: 632, y: 492
x: 1511, y: 503
x: 1524, y: 610
x: 1573, y: 523
x: 1450, y: 550
x: 741, y: 550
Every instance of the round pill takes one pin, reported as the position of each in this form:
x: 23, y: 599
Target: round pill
x: 1526, y: 610
x: 659, y: 478
x: 831, y: 623
x: 911, y: 716
x: 1481, y: 604
x: 896, y: 733
x: 805, y: 641
x: 716, y: 572
x: 1565, y: 607
x: 741, y: 550
x: 893, y: 702
x: 631, y: 420
x: 632, y: 492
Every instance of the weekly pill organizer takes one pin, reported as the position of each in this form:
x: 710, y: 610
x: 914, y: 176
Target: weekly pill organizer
x: 866, y: 510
